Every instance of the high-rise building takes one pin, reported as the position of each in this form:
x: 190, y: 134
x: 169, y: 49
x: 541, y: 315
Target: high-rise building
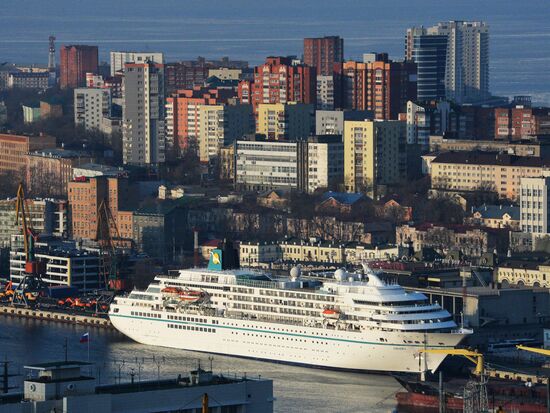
x: 280, y: 80
x: 425, y: 119
x: 279, y: 121
x: 374, y: 154
x: 466, y: 44
x: 518, y: 122
x: 75, y: 62
x: 331, y: 122
x: 323, y: 52
x: 85, y: 196
x: 379, y: 85
x: 221, y: 125
x: 91, y: 105
x: 534, y: 198
x: 119, y: 59
x: 183, y: 114
x: 143, y: 114
x: 325, y: 92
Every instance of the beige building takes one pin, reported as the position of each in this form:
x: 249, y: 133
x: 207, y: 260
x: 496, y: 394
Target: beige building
x: 374, y: 154
x: 225, y: 73
x: 522, y: 273
x: 523, y: 148
x: 312, y: 251
x: 258, y: 253
x: 278, y: 121
x: 221, y: 125
x: 483, y: 171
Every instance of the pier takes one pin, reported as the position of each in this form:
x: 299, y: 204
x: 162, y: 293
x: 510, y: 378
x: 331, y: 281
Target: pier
x: 57, y: 316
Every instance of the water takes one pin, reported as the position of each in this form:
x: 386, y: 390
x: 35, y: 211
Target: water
x: 295, y: 388
x: 251, y: 30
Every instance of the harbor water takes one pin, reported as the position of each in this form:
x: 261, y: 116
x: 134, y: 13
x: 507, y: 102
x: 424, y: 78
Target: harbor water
x: 115, y: 357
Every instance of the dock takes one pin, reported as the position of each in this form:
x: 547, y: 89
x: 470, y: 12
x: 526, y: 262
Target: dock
x: 56, y: 316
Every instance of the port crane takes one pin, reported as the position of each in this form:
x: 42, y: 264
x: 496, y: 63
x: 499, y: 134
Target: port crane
x: 27, y: 290
x: 544, y: 352
x: 475, y: 393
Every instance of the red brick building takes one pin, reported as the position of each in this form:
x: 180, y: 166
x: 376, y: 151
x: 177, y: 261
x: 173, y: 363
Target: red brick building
x: 279, y: 81
x: 14, y: 150
x: 518, y: 122
x: 382, y: 86
x: 75, y: 62
x: 323, y: 52
x: 183, y: 112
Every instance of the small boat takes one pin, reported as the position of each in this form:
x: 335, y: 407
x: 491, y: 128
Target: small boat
x: 172, y: 291
x: 331, y: 313
x: 191, y: 296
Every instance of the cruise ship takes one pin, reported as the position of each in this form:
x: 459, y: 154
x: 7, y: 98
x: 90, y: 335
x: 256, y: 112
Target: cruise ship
x: 354, y: 321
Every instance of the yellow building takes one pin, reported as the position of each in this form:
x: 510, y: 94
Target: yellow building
x: 278, y: 121
x: 312, y: 251
x: 521, y: 273
x: 483, y: 171
x: 374, y: 154
x: 221, y: 125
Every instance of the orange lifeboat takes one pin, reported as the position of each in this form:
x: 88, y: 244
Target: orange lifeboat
x: 191, y: 296
x: 175, y: 291
x: 331, y: 313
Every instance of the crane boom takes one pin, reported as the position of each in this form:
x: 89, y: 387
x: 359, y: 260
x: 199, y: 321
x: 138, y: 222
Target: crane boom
x: 537, y: 350
x: 473, y: 356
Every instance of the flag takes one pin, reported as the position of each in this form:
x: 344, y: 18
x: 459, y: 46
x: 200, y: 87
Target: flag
x: 85, y: 338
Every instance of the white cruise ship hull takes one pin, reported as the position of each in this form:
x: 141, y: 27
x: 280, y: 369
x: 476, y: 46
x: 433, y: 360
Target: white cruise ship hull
x: 366, y: 351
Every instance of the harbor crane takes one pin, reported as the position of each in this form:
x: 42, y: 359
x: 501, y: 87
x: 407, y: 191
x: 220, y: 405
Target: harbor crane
x: 472, y: 355
x: 544, y: 352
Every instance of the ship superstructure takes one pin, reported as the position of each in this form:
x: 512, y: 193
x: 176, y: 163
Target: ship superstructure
x: 357, y: 321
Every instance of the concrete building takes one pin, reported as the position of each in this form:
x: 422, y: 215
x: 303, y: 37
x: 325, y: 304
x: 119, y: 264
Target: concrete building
x: 537, y: 149
x: 465, y: 46
x: 325, y: 92
x: 426, y: 119
x: 183, y: 113
x: 331, y: 122
x: 221, y: 125
x: 16, y: 147
x: 278, y: 121
x: 143, y: 114
x: 46, y: 216
x: 159, y: 230
x: 534, y: 198
x: 3, y: 113
x: 86, y: 195
x: 51, y: 109
x: 91, y: 106
x: 119, y: 59
x: 496, y: 216
x: 65, y: 265
x: 28, y: 80
x: 225, y: 73
x: 75, y: 62
x: 304, y: 165
x: 261, y: 165
x: 519, y: 122
x: 523, y: 273
x: 258, y: 253
x: 325, y: 162
x: 31, y: 113
x: 64, y: 386
x: 379, y: 85
x: 279, y: 80
x: 92, y: 170
x: 322, y: 53
x: 374, y: 154
x: 49, y: 171
x: 464, y: 172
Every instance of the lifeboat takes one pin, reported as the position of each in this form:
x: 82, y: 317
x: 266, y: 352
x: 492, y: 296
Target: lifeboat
x: 331, y: 313
x: 191, y: 296
x: 173, y: 291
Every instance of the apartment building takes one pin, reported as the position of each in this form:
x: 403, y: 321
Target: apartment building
x: 519, y: 122
x: 331, y: 122
x: 483, y: 171
x: 374, y: 154
x: 278, y: 121
x: 534, y: 198
x: 75, y: 62
x: 14, y: 149
x: 323, y: 52
x: 91, y: 105
x: 518, y: 148
x: 119, y: 59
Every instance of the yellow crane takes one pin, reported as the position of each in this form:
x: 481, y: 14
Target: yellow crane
x: 542, y: 351
x: 472, y: 355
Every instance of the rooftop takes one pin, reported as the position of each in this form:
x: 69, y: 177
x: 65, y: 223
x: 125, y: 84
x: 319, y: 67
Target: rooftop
x: 342, y: 197
x: 498, y: 211
x: 489, y: 158
x: 59, y: 154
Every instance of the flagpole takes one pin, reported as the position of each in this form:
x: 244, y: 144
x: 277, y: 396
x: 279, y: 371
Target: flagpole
x: 88, y: 346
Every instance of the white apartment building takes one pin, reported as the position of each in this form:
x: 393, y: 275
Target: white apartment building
x: 325, y: 162
x: 534, y: 197
x: 119, y: 59
x: 325, y: 92
x: 70, y: 267
x: 91, y: 105
x: 263, y: 165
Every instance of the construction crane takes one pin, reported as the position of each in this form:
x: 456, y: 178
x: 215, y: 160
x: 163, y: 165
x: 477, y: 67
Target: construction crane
x: 544, y: 352
x: 105, y: 225
x: 27, y: 290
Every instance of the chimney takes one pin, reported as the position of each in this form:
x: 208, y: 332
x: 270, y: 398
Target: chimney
x: 196, y: 258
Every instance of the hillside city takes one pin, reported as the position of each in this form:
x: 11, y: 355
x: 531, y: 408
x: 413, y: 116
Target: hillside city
x: 137, y: 166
